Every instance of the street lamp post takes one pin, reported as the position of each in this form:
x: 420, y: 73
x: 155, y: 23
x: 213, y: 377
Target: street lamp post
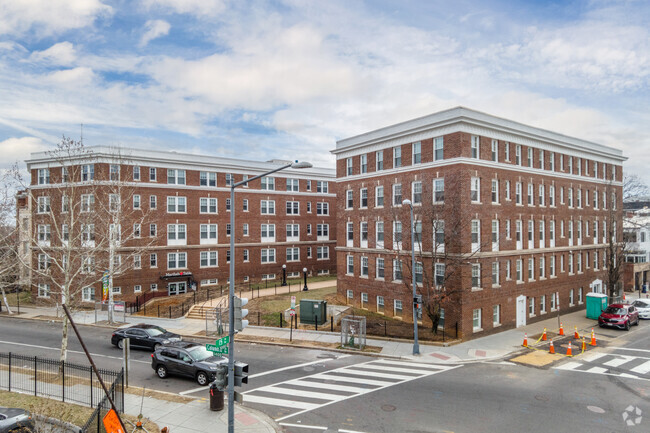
x: 416, y: 346
x: 304, y: 272
x: 284, y: 275
x: 231, y: 293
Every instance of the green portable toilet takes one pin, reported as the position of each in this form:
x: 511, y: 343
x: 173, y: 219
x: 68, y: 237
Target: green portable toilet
x: 313, y: 311
x: 596, y: 303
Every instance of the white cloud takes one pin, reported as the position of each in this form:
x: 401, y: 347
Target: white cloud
x: 48, y: 17
x: 191, y: 7
x: 18, y: 149
x: 155, y: 29
x: 62, y: 54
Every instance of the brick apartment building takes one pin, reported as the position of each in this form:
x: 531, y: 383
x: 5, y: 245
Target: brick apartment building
x: 169, y: 214
x: 511, y: 225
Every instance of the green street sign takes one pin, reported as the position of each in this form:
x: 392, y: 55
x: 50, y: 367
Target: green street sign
x: 222, y: 341
x: 223, y: 350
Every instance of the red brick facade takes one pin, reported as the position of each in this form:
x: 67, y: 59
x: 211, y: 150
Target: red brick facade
x: 574, y: 184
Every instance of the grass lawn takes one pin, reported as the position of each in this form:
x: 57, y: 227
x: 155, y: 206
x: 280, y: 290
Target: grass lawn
x: 69, y: 412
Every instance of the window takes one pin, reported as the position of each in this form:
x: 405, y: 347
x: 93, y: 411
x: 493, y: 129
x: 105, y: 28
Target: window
x: 518, y: 270
x: 551, y: 161
x: 419, y: 271
x: 44, y: 205
x: 495, y: 273
x: 508, y: 190
x: 475, y: 146
x: 530, y: 195
x: 439, y: 235
x: 542, y: 304
x: 229, y: 179
x: 137, y: 262
x: 153, y: 260
x: 397, y: 308
x: 136, y: 172
x: 322, y: 232
x: 293, y: 232
x: 228, y: 205
x: 379, y: 196
x: 65, y: 204
x: 43, y: 176
x: 363, y: 160
x: 207, y: 178
x: 137, y: 230
x: 438, y: 148
x: 439, y: 190
x: 136, y: 201
x: 154, y: 287
x: 518, y: 154
x: 476, y: 319
x: 531, y: 234
x: 397, y: 194
x: 439, y: 270
x: 495, y: 150
x: 293, y: 208
x: 44, y: 262
x: 518, y: 193
x: 379, y: 268
x: 245, y: 255
x: 364, y: 300
x: 397, y: 157
x: 364, y: 198
x: 417, y: 153
x: 208, y: 205
x: 476, y: 275
x: 113, y: 202
x: 571, y: 298
x: 364, y: 266
x: 267, y: 207
x: 43, y: 290
x: 348, y: 165
x: 475, y: 187
x: 152, y: 174
x: 570, y: 165
x: 542, y: 226
x: 268, y: 232
x: 350, y: 265
x: 530, y: 157
x: 379, y: 160
x: 87, y: 172
x: 176, y: 260
x: 416, y: 193
x: 44, y: 233
x: 309, y: 229
x: 379, y: 234
x: 293, y: 185
x: 551, y: 195
x: 397, y: 235
x: 176, y: 204
x: 322, y: 253
x: 350, y: 234
x: 508, y: 274
x: 293, y: 254
x: 175, y: 177
x: 322, y: 187
x: 268, y: 183
x: 114, y: 172
x: 495, y: 235
x: 176, y: 234
x: 476, y: 235
x: 88, y: 294
x: 542, y: 194
x: 245, y: 229
x: 495, y: 191
x: 153, y: 202
x: 507, y: 149
x: 542, y: 267
x: 580, y: 295
x: 137, y: 288
x: 397, y: 270
x: 268, y: 255
x: 152, y: 230
x: 541, y: 159
x: 531, y: 306
x: 208, y: 233
x: 87, y: 202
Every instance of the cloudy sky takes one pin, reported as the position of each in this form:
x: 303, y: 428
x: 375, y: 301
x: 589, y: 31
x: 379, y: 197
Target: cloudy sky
x: 287, y: 78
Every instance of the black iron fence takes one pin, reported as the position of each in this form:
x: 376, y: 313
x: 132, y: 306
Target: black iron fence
x: 59, y: 380
x: 116, y: 391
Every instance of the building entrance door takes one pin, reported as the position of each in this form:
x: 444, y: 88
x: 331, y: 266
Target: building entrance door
x: 176, y: 288
x: 597, y: 286
x: 521, y: 311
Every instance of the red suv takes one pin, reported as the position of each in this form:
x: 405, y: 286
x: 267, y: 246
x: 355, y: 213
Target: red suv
x: 619, y: 316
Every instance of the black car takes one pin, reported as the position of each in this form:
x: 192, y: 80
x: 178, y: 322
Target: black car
x: 186, y: 359
x: 13, y: 420
x: 144, y: 336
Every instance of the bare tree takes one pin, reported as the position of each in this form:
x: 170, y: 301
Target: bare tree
x: 615, y: 241
x: 9, y: 262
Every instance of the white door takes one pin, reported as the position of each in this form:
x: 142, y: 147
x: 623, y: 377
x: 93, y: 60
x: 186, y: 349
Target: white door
x: 521, y: 311
x: 597, y: 286
x: 171, y: 289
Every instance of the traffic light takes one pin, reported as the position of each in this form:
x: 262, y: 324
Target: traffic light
x: 241, y: 373
x: 222, y: 376
x: 240, y: 313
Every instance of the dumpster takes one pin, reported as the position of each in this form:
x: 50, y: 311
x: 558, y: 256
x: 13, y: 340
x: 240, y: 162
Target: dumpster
x: 216, y: 397
x: 313, y: 311
x: 596, y: 303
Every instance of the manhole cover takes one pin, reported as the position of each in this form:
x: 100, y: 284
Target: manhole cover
x: 541, y: 397
x: 388, y: 407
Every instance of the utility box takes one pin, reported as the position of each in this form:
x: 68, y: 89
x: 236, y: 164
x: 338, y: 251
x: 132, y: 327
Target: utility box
x: 596, y: 303
x: 313, y: 311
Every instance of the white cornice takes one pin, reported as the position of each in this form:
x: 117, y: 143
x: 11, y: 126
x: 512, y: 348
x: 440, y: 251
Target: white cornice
x: 461, y: 119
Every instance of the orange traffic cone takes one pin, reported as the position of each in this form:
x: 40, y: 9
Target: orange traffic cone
x: 575, y: 333
x: 584, y: 345
x: 568, y: 351
x: 561, y: 329
x: 544, y: 335
x: 593, y: 338
x: 624, y: 296
x: 525, y: 340
x: 551, y: 349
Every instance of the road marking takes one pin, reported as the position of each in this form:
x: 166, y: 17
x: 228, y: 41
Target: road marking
x: 568, y: 366
x: 396, y: 369
x: 300, y: 393
x: 279, y: 402
x: 313, y: 427
x: 70, y: 351
x: 355, y: 371
x: 253, y: 376
x: 642, y: 369
x: 349, y: 431
x: 619, y: 360
x: 591, y: 357
x: 627, y: 348
x: 332, y: 376
x: 329, y: 386
x: 414, y: 365
x: 596, y: 370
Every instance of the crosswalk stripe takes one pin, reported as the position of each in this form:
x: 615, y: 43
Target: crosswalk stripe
x: 597, y: 370
x: 642, y: 369
x: 591, y: 357
x: 417, y: 365
x: 351, y: 379
x: 249, y: 398
x: 330, y: 386
x: 301, y: 393
x: 619, y: 360
x: 396, y: 369
x: 569, y: 366
x: 359, y: 372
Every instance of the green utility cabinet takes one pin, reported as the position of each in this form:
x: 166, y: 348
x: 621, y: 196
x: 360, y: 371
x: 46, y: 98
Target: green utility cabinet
x: 596, y: 303
x: 313, y: 311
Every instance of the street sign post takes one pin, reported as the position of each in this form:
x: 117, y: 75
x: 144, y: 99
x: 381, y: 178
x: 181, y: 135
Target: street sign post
x: 220, y: 346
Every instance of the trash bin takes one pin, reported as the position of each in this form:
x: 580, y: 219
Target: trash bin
x: 216, y: 397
